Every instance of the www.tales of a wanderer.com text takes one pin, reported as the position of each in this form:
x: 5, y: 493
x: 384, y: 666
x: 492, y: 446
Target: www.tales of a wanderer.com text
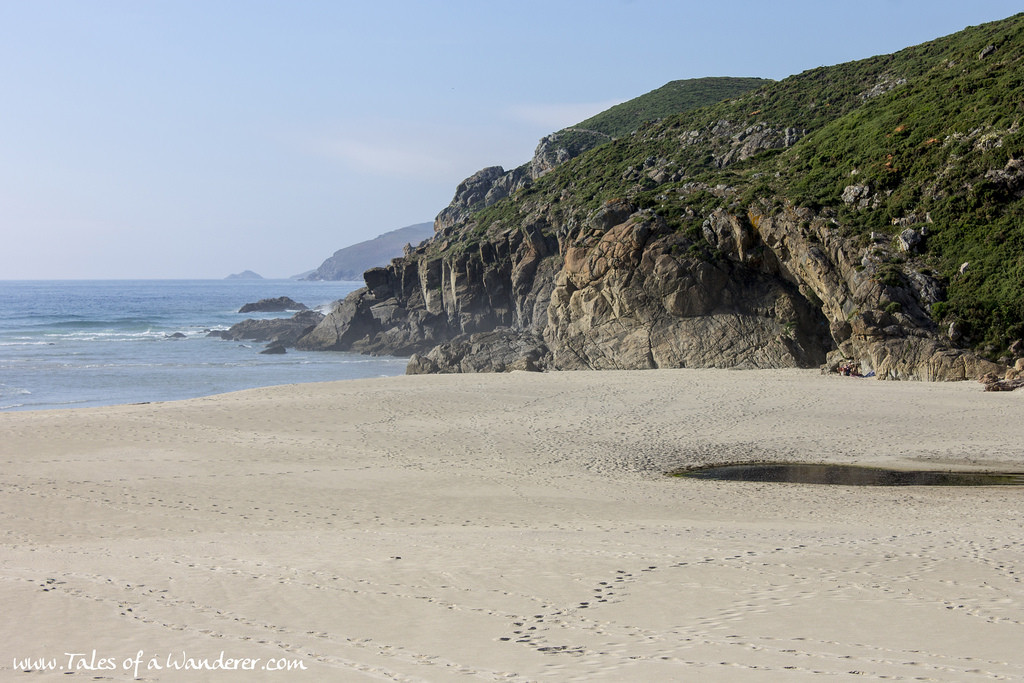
x: 142, y: 661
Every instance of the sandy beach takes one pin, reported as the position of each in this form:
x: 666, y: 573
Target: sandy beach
x: 516, y: 527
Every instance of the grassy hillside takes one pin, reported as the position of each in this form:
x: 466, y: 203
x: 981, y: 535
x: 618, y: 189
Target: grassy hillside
x: 932, y: 133
x: 672, y: 98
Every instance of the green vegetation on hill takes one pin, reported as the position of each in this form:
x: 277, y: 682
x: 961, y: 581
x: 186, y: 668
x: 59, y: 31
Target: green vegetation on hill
x: 938, y: 146
x: 672, y: 98
x: 932, y: 134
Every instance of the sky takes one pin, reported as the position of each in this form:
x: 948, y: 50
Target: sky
x: 199, y: 138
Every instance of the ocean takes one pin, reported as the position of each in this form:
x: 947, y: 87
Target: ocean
x: 73, y: 344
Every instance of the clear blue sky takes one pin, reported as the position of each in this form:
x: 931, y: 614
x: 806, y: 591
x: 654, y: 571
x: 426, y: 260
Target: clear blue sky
x: 195, y: 138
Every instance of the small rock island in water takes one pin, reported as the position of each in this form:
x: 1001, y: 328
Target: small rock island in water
x: 244, y: 275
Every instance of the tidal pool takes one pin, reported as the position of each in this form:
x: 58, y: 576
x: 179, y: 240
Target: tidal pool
x: 849, y: 475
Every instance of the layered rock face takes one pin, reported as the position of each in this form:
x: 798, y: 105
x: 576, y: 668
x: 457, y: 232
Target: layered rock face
x: 427, y: 298
x: 877, y: 311
x: 629, y: 296
x: 623, y: 290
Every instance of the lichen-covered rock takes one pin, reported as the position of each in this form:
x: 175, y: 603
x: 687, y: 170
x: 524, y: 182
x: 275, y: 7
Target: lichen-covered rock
x: 555, y: 149
x: 857, y: 195
x: 758, y: 138
x: 910, y: 240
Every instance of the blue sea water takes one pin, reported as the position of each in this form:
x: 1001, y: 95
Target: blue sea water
x: 69, y: 344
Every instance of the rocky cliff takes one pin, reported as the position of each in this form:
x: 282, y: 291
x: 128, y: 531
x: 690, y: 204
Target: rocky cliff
x: 624, y: 290
x: 835, y: 216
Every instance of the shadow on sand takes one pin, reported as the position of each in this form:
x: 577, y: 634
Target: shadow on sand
x: 848, y: 475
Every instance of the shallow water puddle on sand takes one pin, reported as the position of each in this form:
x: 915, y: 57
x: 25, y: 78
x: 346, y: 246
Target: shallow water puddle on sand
x: 848, y: 475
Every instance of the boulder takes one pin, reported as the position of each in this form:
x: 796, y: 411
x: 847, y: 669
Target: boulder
x: 285, y: 331
x: 275, y: 348
x: 500, y: 350
x: 857, y: 195
x: 910, y: 240
x: 996, y: 384
x: 277, y: 305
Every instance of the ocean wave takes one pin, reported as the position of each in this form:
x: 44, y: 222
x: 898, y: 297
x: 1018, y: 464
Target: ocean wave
x: 26, y: 343
x: 44, y: 404
x: 9, y: 393
x: 98, y: 323
x: 95, y: 343
x: 147, y: 335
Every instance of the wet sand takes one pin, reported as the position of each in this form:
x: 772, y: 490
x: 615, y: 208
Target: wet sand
x: 515, y: 528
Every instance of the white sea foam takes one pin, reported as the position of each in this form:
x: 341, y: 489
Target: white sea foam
x: 82, y: 343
